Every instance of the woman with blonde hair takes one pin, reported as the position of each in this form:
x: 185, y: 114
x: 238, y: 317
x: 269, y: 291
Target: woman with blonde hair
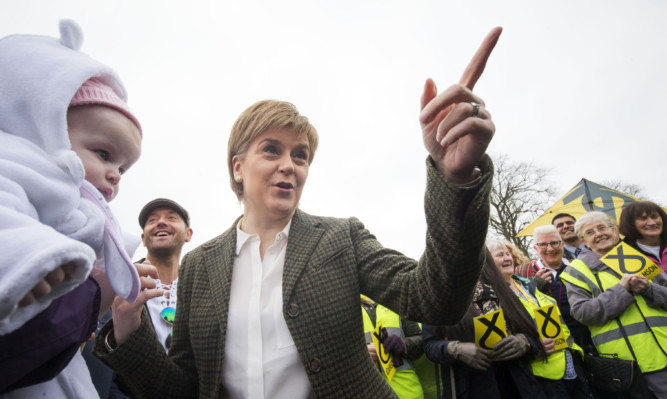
x: 468, y: 371
x: 518, y: 255
x: 270, y: 308
x: 560, y: 373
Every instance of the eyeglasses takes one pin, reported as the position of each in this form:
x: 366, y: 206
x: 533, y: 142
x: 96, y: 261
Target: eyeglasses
x: 545, y: 245
x: 168, y: 314
x: 599, y: 229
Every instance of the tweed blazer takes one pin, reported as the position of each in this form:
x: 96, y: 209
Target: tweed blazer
x: 328, y: 263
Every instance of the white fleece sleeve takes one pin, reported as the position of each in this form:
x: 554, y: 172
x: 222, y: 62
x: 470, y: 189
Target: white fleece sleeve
x: 42, y: 223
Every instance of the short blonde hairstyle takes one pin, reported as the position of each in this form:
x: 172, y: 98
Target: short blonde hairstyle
x: 259, y: 118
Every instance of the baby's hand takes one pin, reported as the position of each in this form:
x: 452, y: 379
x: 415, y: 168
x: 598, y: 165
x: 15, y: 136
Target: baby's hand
x: 44, y: 287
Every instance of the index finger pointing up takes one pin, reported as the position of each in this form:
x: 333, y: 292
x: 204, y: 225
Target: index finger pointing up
x: 478, y: 62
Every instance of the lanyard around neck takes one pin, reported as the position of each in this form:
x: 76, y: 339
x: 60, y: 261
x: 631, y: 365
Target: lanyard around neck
x: 524, y: 293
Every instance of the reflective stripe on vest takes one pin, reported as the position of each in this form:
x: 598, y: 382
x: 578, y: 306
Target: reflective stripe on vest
x: 582, y: 280
x: 389, y: 320
x: 554, y: 367
x: 631, y: 329
x: 641, y: 329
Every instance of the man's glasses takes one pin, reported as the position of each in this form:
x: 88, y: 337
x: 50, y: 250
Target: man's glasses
x: 168, y: 314
x: 599, y: 229
x: 545, y: 245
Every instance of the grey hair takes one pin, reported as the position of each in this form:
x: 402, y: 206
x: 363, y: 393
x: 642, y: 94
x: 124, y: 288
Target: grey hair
x: 544, y: 230
x: 595, y: 216
x: 492, y: 244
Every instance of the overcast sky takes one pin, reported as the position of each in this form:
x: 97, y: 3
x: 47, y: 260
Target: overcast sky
x: 576, y: 86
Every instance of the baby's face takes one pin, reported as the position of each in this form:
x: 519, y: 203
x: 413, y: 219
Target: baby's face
x: 107, y: 142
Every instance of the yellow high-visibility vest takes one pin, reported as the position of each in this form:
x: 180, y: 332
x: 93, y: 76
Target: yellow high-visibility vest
x: 646, y: 327
x: 554, y: 367
x: 405, y: 381
x: 426, y: 371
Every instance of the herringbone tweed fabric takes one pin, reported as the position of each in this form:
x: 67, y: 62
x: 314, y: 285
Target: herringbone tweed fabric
x: 328, y: 263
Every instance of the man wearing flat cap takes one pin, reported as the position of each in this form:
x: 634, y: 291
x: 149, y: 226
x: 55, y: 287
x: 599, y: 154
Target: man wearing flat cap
x: 166, y: 228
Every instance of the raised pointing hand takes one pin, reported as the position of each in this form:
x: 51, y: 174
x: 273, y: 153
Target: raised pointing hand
x: 456, y: 133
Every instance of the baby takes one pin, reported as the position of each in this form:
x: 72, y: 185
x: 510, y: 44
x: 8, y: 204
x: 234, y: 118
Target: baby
x: 66, y: 137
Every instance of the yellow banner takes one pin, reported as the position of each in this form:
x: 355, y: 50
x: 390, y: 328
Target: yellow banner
x: 584, y: 197
x: 625, y: 259
x: 489, y: 329
x: 548, y: 325
x: 385, y: 359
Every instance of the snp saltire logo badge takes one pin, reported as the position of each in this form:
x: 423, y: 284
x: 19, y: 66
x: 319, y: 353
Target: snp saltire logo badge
x: 625, y: 259
x: 548, y: 325
x: 489, y: 329
x: 386, y: 360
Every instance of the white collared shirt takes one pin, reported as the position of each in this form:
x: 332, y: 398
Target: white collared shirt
x: 572, y: 249
x: 261, y: 360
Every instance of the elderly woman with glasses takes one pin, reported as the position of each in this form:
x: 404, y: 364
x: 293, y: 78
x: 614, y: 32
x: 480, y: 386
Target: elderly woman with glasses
x: 469, y: 371
x: 627, y: 314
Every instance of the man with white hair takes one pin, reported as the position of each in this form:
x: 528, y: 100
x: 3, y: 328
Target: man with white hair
x: 546, y: 273
x: 549, y: 247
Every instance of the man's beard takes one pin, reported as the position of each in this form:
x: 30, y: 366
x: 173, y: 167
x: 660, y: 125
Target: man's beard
x: 162, y: 252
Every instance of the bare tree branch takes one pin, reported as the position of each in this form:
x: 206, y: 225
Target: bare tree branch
x: 626, y: 188
x: 521, y: 193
